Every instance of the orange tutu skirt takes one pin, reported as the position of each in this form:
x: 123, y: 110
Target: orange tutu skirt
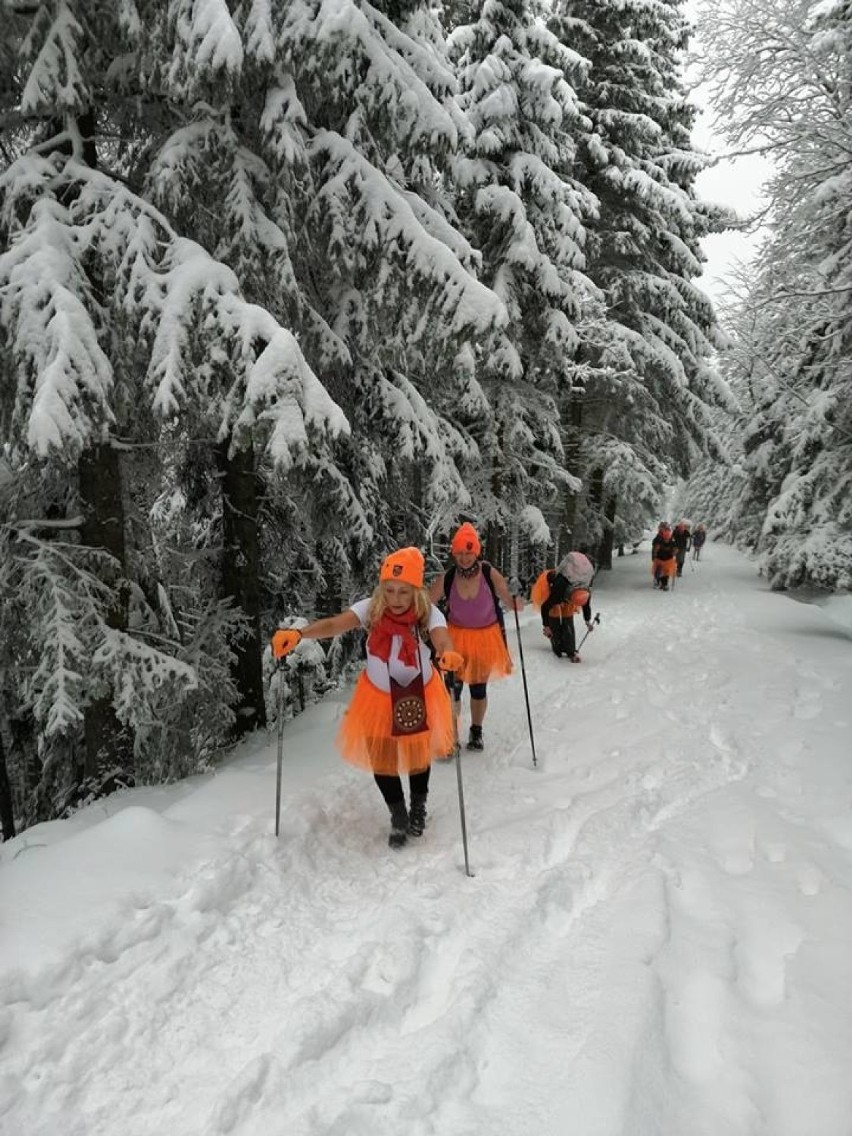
x: 484, y: 650
x: 663, y: 567
x: 365, y: 738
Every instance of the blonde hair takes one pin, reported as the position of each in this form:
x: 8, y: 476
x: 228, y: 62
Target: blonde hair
x: 379, y: 605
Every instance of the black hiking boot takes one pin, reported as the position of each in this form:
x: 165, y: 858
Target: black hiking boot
x: 475, y: 741
x: 417, y: 816
x: 399, y: 826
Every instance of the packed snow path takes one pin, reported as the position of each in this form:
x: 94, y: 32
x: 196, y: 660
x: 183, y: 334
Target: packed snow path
x: 655, y: 943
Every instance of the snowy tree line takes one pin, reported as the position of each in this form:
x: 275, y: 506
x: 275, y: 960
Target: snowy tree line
x: 783, y: 85
x: 285, y: 283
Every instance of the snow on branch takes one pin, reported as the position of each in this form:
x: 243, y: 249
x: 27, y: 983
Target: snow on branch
x: 388, y: 221
x: 186, y: 305
x: 395, y: 72
x: 207, y: 44
x: 54, y: 81
x: 49, y: 314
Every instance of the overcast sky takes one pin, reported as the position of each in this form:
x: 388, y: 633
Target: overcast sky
x: 736, y: 183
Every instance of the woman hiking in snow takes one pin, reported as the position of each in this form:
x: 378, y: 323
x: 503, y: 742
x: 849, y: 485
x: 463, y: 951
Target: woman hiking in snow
x: 561, y: 593
x: 698, y: 539
x: 472, y: 590
x: 663, y: 556
x: 400, y: 716
x: 683, y: 542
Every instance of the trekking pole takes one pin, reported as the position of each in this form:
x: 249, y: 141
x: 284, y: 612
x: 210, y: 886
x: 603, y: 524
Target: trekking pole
x: 524, y: 676
x: 448, y: 680
x: 280, y: 746
x: 597, y: 619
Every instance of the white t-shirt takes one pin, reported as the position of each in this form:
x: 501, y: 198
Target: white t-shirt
x: 378, y: 669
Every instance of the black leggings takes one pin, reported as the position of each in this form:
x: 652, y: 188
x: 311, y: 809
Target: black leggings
x: 392, y: 790
x: 477, y: 690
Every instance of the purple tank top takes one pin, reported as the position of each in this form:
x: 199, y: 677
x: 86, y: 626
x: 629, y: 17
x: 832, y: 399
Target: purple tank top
x: 478, y: 612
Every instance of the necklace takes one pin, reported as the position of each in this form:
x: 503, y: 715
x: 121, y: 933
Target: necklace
x: 468, y: 573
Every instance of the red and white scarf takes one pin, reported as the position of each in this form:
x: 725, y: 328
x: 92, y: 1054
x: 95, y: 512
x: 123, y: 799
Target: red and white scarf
x: 382, y: 634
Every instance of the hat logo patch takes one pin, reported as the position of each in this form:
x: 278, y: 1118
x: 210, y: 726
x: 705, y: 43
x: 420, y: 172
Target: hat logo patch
x: 397, y: 570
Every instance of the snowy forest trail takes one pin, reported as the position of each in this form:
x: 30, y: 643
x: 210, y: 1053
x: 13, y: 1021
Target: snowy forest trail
x: 655, y: 941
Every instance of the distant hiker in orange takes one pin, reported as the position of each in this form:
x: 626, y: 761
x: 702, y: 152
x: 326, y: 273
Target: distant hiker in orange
x: 400, y: 715
x: 663, y: 556
x: 472, y: 591
x: 561, y: 593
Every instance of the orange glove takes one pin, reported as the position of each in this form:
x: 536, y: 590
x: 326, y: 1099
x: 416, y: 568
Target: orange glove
x: 283, y: 642
x: 450, y: 661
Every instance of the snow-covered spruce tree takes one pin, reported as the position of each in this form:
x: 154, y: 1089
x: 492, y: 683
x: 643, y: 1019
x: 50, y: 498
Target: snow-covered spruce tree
x: 117, y: 331
x: 641, y: 415
x: 783, y: 81
x: 321, y: 143
x: 522, y: 207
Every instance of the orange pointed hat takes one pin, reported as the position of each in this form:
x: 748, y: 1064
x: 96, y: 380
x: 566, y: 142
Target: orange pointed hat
x: 466, y: 539
x: 405, y: 566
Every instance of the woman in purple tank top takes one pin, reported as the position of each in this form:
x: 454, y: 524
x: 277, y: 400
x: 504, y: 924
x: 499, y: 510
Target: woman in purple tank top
x: 475, y: 623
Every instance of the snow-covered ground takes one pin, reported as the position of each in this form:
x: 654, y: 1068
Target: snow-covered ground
x: 656, y: 941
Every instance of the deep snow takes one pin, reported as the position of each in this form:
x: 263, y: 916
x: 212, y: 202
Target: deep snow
x: 656, y: 941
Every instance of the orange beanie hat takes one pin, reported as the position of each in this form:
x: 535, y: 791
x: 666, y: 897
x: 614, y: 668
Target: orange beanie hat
x: 405, y: 565
x: 466, y: 540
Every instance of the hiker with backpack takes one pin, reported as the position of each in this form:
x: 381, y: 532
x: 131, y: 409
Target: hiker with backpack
x: 698, y: 539
x: 561, y: 593
x: 663, y: 557
x: 683, y: 542
x: 400, y: 715
x: 471, y: 591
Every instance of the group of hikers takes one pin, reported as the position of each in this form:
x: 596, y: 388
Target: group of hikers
x: 669, y: 548
x: 403, y: 714
x: 424, y: 645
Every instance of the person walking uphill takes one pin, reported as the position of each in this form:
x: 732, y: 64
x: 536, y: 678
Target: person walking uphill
x: 472, y: 590
x: 683, y: 542
x: 560, y: 593
x: 663, y: 556
x: 698, y: 539
x: 400, y: 716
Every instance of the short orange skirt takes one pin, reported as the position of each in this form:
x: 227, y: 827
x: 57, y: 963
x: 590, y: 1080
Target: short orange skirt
x: 365, y: 738
x: 484, y: 650
x: 663, y: 567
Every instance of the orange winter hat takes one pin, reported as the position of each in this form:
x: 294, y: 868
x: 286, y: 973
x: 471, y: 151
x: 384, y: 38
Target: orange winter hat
x: 466, y: 540
x: 405, y: 566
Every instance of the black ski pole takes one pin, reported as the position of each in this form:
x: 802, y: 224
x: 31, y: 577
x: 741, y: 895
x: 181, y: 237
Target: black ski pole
x: 280, y: 746
x: 448, y: 679
x: 524, y: 676
x: 597, y: 619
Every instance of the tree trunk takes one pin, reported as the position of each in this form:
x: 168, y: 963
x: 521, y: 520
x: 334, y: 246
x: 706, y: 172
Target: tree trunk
x: 595, y: 506
x: 241, y: 578
x: 106, y: 741
x: 605, y: 546
x: 7, y: 812
x: 565, y: 536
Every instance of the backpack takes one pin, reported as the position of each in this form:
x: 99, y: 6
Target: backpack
x: 577, y: 569
x: 541, y: 588
x: 577, y: 597
x: 450, y: 575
